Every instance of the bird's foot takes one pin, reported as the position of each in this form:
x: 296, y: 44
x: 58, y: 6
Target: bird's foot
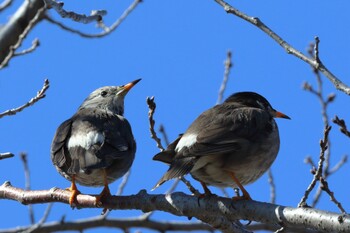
x: 245, y: 197
x: 105, y: 194
x: 73, y: 197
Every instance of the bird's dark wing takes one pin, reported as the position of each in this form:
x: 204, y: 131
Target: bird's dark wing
x: 58, y: 149
x: 90, y: 141
x: 228, y: 131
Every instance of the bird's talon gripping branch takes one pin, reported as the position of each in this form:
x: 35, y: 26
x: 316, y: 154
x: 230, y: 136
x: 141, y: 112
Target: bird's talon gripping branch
x: 246, y: 195
x: 74, y: 192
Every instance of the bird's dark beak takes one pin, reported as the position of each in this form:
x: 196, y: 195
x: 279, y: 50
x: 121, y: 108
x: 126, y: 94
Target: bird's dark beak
x: 281, y: 115
x: 126, y: 88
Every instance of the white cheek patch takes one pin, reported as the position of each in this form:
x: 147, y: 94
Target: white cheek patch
x: 186, y: 141
x: 86, y: 140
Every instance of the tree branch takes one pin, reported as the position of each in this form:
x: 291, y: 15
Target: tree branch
x: 316, y: 63
x: 212, y: 210
x: 342, y: 124
x: 41, y: 94
x: 27, y: 184
x: 6, y: 155
x: 123, y: 223
x: 107, y: 30
x: 81, y: 18
x: 152, y: 107
x: 5, y: 4
x: 17, y: 28
x: 228, y: 66
x: 32, y: 48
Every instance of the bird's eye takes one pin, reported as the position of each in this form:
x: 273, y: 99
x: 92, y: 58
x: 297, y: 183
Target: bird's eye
x: 103, y: 93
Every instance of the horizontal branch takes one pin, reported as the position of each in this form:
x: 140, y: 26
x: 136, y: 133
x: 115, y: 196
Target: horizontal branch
x: 205, y: 209
x: 6, y: 155
x: 107, y: 30
x: 121, y: 223
x: 81, y: 18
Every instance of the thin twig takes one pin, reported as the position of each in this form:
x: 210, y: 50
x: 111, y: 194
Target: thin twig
x: 165, y: 136
x: 228, y: 65
x: 288, y: 48
x: 27, y: 184
x: 106, y: 31
x: 41, y: 222
x: 313, y: 51
x: 336, y: 167
x: 95, y: 15
x: 152, y: 107
x: 319, y: 171
x: 119, y: 191
x: 272, y: 187
x: 308, y: 160
x: 41, y: 94
x: 25, y: 32
x: 5, y: 4
x: 342, y: 125
x: 6, y: 155
x: 325, y: 187
x: 32, y: 48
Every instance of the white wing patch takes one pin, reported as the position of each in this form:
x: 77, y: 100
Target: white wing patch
x: 186, y: 141
x: 86, y: 140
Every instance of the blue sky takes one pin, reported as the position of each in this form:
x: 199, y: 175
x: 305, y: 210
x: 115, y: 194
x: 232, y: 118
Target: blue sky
x: 178, y: 49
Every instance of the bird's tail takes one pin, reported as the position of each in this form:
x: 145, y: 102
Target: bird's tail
x: 177, y: 169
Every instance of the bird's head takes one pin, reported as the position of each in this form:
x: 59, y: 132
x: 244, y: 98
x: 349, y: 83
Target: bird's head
x: 252, y: 99
x: 110, y: 98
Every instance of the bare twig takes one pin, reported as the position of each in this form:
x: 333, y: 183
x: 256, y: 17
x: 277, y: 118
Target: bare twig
x: 39, y: 95
x: 120, y: 223
x: 5, y: 4
x: 272, y: 187
x: 313, y: 51
x: 325, y: 187
x: 289, y: 49
x: 120, y: 190
x: 106, y: 30
x: 342, y: 125
x: 308, y: 160
x: 336, y: 167
x: 27, y: 184
x: 165, y: 136
x: 25, y: 32
x: 39, y: 226
x: 228, y: 65
x: 6, y: 155
x: 319, y: 171
x: 95, y: 15
x: 152, y: 107
x: 32, y: 48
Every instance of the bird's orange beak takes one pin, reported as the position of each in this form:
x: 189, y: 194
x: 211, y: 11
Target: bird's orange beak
x: 128, y: 86
x: 281, y: 115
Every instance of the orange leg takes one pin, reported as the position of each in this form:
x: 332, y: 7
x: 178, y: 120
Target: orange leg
x: 105, y: 192
x: 74, y: 190
x: 246, y: 195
